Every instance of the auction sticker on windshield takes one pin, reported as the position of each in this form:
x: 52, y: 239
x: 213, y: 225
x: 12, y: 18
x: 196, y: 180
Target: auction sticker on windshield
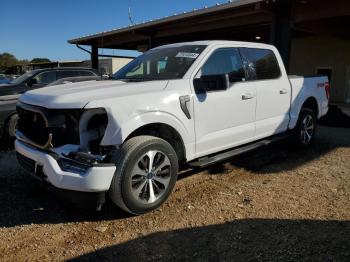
x: 187, y: 55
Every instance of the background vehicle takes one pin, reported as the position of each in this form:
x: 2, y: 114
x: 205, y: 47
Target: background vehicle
x: 9, y: 93
x: 42, y: 77
x: 4, y: 80
x: 195, y: 103
x: 75, y: 79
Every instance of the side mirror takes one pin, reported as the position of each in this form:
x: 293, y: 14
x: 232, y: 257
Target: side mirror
x: 211, y: 83
x: 32, y: 82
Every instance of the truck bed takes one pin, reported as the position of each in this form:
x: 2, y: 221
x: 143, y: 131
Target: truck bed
x: 311, y: 87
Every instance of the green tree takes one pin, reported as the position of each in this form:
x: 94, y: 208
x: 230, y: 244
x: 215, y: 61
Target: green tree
x: 40, y: 60
x: 7, y: 61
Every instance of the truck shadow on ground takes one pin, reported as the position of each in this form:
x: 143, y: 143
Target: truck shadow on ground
x: 23, y: 201
x: 335, y: 118
x: 281, y: 156
x: 241, y: 240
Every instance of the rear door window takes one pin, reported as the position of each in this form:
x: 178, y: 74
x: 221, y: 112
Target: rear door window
x: 67, y: 73
x: 85, y: 73
x: 262, y: 63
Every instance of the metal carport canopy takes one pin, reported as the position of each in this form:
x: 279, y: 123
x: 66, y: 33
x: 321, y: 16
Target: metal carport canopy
x: 207, y: 23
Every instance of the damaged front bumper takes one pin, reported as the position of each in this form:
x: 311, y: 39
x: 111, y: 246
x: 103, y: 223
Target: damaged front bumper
x: 63, y: 173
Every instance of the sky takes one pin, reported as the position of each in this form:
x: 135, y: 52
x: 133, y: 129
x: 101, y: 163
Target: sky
x: 41, y: 28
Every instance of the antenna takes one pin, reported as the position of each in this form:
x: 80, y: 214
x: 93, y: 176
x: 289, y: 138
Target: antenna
x: 130, y: 18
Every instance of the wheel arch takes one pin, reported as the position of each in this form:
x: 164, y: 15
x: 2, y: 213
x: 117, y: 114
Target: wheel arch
x: 310, y: 102
x: 5, y: 123
x: 166, y: 132
x: 166, y: 127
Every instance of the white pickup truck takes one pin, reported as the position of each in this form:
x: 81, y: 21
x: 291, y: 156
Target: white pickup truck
x: 190, y: 103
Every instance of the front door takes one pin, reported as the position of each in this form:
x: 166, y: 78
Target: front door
x: 44, y: 78
x: 224, y: 118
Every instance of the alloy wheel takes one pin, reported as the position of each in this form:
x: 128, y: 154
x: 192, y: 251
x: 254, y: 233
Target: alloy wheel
x: 151, y: 176
x: 307, y: 129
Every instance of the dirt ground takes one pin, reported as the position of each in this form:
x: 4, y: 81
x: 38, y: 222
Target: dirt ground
x: 273, y: 204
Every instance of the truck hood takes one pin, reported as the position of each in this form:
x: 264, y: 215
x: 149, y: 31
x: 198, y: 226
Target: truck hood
x: 78, y: 95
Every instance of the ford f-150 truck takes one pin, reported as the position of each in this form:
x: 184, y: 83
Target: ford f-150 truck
x: 190, y: 103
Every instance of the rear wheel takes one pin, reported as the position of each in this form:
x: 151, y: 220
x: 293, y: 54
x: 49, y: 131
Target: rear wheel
x: 146, y: 173
x: 305, y: 129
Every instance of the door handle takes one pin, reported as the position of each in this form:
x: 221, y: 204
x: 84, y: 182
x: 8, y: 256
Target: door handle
x: 247, y: 96
x: 283, y: 91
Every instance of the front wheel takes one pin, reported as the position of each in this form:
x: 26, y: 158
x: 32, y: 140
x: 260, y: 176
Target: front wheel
x: 304, y: 132
x: 146, y: 174
x: 11, y: 127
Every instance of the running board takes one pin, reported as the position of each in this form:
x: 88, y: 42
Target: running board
x: 205, y: 161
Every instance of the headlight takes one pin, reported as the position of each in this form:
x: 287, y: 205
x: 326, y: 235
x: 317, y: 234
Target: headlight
x: 92, y: 127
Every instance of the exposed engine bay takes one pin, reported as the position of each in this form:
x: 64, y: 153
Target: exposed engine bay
x: 73, y: 134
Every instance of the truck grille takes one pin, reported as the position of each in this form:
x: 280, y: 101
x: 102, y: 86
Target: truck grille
x: 33, y: 126
x: 39, y: 126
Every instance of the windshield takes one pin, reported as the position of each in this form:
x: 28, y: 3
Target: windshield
x: 160, y: 64
x: 23, y: 77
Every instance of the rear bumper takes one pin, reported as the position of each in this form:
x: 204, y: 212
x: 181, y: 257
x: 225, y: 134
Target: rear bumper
x: 44, y: 166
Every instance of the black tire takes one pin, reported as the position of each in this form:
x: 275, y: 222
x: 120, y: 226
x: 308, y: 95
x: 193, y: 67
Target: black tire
x: 11, y: 127
x: 133, y: 155
x: 300, y: 137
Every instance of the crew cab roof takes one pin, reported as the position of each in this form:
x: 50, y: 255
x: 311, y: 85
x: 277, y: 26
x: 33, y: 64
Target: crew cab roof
x: 217, y: 42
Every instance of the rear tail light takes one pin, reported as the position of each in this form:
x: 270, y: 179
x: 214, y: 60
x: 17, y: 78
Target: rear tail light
x: 327, y: 88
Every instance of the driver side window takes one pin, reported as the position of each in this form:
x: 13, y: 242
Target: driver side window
x: 225, y: 61
x: 45, y: 77
x: 137, y: 70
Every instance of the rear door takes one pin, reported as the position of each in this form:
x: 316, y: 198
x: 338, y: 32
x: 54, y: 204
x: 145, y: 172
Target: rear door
x: 273, y: 91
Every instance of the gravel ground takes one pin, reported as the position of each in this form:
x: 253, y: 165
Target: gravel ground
x: 273, y: 204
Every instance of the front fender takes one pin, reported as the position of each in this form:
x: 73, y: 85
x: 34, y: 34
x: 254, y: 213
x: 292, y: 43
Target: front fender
x: 116, y: 133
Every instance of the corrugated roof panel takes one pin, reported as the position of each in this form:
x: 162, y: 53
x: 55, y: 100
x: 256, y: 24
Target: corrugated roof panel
x: 194, y: 12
